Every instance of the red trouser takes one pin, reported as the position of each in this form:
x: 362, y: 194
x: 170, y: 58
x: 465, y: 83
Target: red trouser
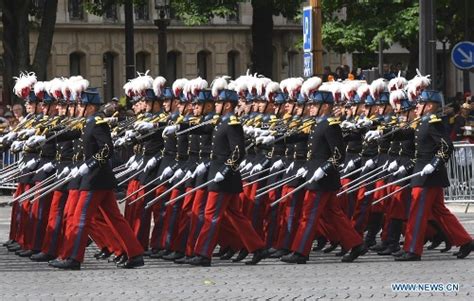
x: 224, y: 205
x: 360, y: 219
x: 129, y: 212
x: 55, y: 221
x: 347, y: 200
x: 271, y: 223
x: 289, y: 219
x: 256, y: 207
x: 197, y: 219
x: 71, y: 203
x: 14, y: 218
x: 170, y: 224
x: 426, y: 202
x: 315, y: 204
x: 40, y: 212
x: 141, y: 217
x: 245, y: 197
x: 101, y: 234
x: 379, y: 207
x: 23, y: 220
x: 159, y: 211
x: 179, y: 242
x: 87, y: 206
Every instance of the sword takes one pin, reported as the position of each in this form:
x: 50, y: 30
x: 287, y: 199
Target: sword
x: 265, y: 177
x: 276, y: 185
x: 358, y: 180
x: 194, y: 127
x: 184, y: 179
x: 362, y: 183
x: 393, y: 183
x: 186, y: 193
x: 15, y: 177
x: 52, y: 188
x: 149, y: 192
x: 32, y: 193
x: 257, y: 173
x: 31, y: 189
x: 9, y: 173
x: 289, y: 193
x: 390, y: 194
x: 129, y: 178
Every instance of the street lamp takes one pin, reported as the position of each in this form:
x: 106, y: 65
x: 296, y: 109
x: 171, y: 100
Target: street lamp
x: 163, y: 9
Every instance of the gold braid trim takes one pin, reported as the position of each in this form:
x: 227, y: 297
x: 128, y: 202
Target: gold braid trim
x: 336, y: 156
x: 232, y: 162
x: 443, y: 152
x: 102, y: 155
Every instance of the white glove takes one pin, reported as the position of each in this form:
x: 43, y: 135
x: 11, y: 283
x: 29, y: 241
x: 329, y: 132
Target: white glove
x: 74, y: 172
x: 134, y: 165
x: 83, y: 169
x: 290, y: 168
x: 144, y: 126
x: 150, y: 164
x: 347, y: 125
x: 242, y: 164
x: 265, y: 139
x: 364, y: 122
x: 188, y: 174
x: 350, y: 166
x: 260, y: 132
x: 218, y: 177
x: 47, y: 167
x: 168, y: 171
x: 247, y: 167
x: 401, y: 171
x: 178, y: 174
x: 31, y: 164
x: 428, y: 169
x: 277, y: 165
x: 248, y: 130
x: 27, y: 132
x: 256, y: 169
x: 22, y: 166
x: 130, y: 134
x: 10, y: 136
x: 318, y: 175
x: 170, y: 129
x: 301, y: 172
x: 393, y: 166
x: 17, y: 145
x: 369, y: 164
x: 120, y: 141
x: 371, y: 135
x: 129, y: 162
x: 200, y: 169
x: 64, y: 172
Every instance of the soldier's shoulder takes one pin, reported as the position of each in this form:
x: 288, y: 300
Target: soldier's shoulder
x: 434, y: 119
x: 233, y: 120
x: 334, y: 121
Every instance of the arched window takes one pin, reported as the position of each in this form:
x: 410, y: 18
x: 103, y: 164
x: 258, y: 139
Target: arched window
x: 76, y: 9
x: 110, y: 74
x: 233, y: 63
x: 77, y: 63
x: 173, y: 66
x: 142, y: 61
x: 204, y: 64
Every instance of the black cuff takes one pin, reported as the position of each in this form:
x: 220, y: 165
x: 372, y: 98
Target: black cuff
x: 92, y: 163
x: 437, y: 162
x: 327, y: 167
x: 226, y: 171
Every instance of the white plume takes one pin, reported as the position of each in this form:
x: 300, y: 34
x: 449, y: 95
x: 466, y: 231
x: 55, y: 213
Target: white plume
x: 363, y: 91
x: 158, y: 85
x: 219, y: 84
x: 377, y: 86
x: 270, y: 90
x: 178, y: 86
x: 397, y: 96
x: 310, y: 85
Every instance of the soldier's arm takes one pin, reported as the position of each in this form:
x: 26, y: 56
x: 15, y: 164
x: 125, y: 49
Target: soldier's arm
x: 235, y: 137
x: 102, y: 136
x: 336, y: 144
x: 444, y: 146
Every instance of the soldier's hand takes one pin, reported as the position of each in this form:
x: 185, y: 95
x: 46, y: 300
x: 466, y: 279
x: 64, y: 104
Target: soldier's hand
x: 347, y: 125
x: 277, y: 165
x: 371, y: 135
x: 144, y: 126
x: 150, y: 164
x: 170, y: 129
x: 350, y: 166
x: 369, y: 164
x: 48, y: 167
x: 168, y: 171
x: 64, y: 172
x: 318, y: 175
x: 427, y: 170
x: 393, y: 166
x: 83, y: 169
x: 218, y: 177
x: 301, y: 172
x: 290, y: 168
x: 200, y: 169
x: 256, y: 169
x: 401, y: 171
x: 178, y: 174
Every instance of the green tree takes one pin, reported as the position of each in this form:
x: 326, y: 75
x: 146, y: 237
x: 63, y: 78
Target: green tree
x: 16, y: 38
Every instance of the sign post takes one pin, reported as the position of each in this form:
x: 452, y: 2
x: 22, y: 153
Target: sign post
x: 462, y: 55
x: 312, y: 39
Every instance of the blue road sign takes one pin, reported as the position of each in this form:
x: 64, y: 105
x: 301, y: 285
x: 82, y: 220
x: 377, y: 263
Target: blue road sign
x: 463, y: 55
x: 307, y: 64
x: 307, y: 29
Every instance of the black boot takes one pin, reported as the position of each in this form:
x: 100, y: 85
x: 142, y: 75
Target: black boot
x: 465, y: 250
x: 41, y: 257
x: 447, y: 246
x: 280, y: 253
x: 104, y: 254
x: 242, y: 255
x: 321, y: 243
x: 14, y: 247
x: 122, y: 260
x: 332, y: 247
x: 398, y: 253
x: 373, y: 227
x: 221, y: 252
x: 8, y: 242
x: 27, y: 253
x: 173, y: 256
x: 200, y: 261
x: 68, y: 264
x: 379, y: 246
x: 393, y: 241
x: 355, y: 252
x: 160, y: 254
x: 228, y: 255
x: 295, y: 258
x: 258, y: 256
x: 101, y: 253
x: 133, y: 262
x: 183, y: 260
x: 341, y: 253
x: 408, y: 256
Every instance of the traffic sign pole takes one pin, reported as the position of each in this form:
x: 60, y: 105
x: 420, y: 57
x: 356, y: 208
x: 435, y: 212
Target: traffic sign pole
x: 317, y: 38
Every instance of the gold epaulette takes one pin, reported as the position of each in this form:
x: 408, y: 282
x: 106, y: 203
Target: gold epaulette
x: 334, y: 121
x: 233, y: 120
x: 434, y: 118
x: 100, y: 120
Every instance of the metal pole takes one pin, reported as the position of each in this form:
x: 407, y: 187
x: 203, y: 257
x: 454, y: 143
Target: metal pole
x: 129, y: 41
x: 427, y: 42
x: 162, y: 24
x: 381, y: 58
x: 317, y: 38
x: 465, y: 73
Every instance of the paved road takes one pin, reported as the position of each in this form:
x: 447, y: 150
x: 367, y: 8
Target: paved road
x: 323, y: 278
